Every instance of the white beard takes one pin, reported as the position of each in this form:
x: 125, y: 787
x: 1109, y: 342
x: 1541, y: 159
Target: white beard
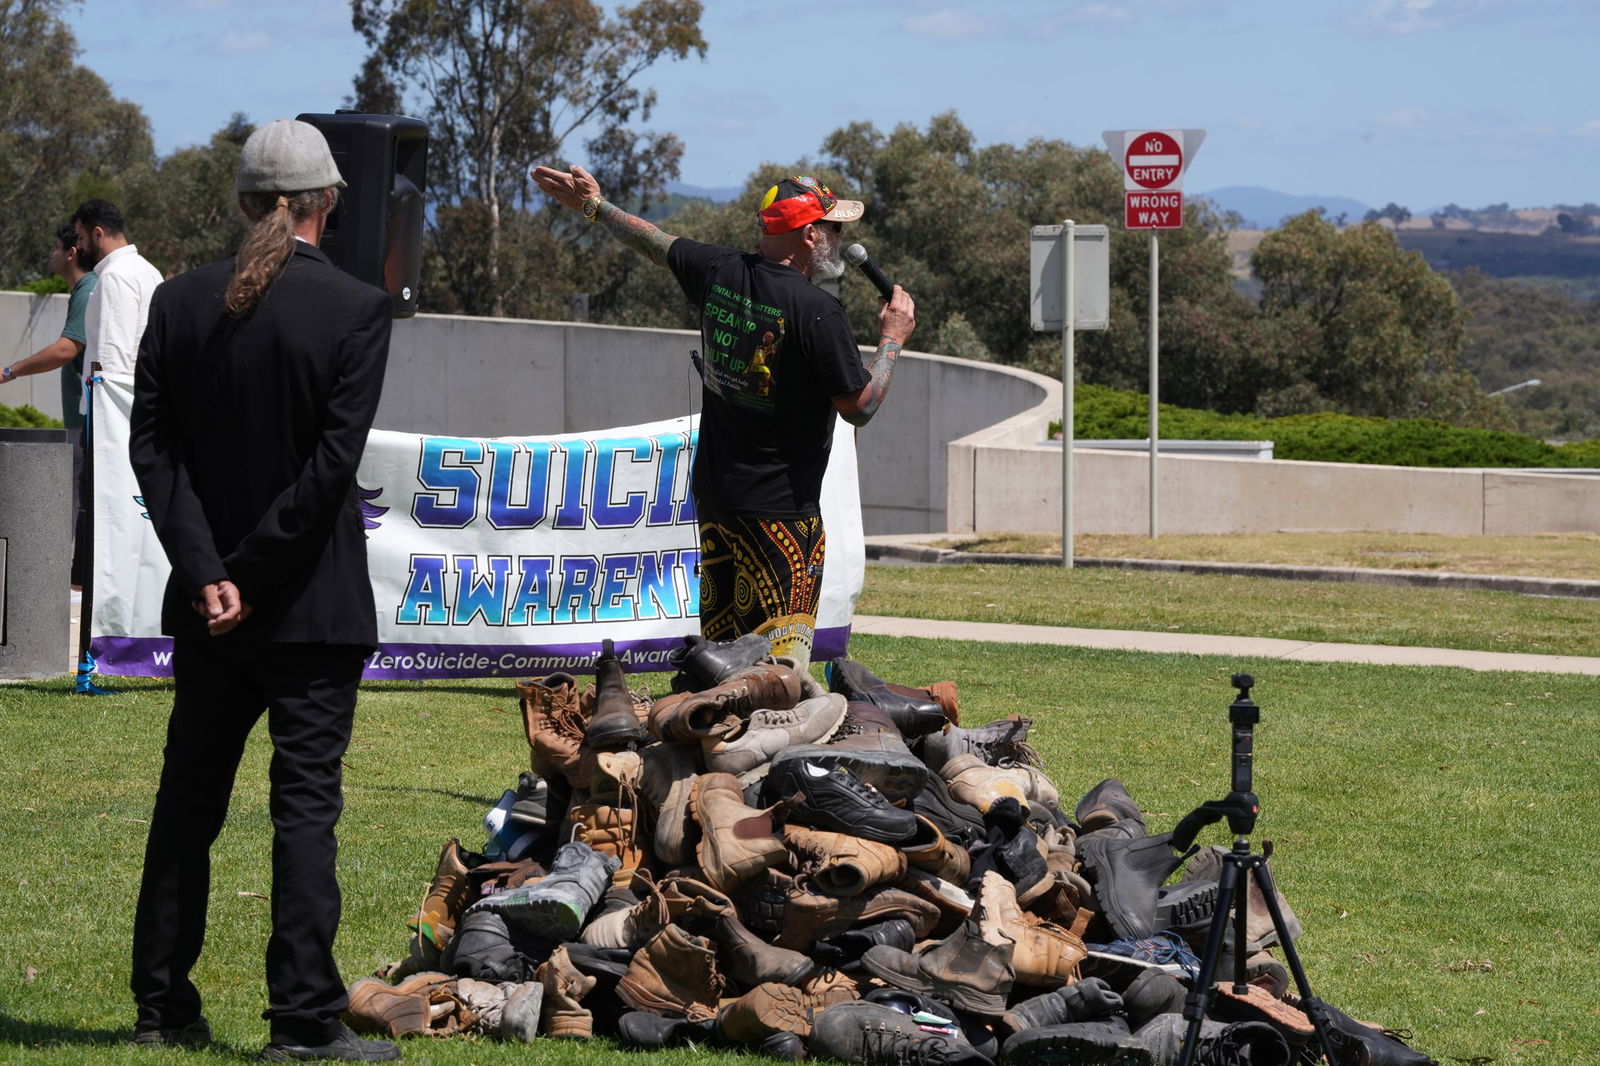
x: 826, y: 263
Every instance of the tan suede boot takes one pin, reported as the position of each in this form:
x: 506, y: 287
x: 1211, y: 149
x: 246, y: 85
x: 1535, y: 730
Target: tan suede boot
x: 810, y: 916
x: 840, y: 864
x: 675, y: 975
x: 1044, y: 954
x: 441, y: 908
x: 667, y: 784
x: 736, y: 842
x: 929, y: 850
x: 422, y: 1003
x: 743, y: 956
x: 776, y: 1008
x: 687, y: 717
x: 610, y: 831
x: 561, y: 1012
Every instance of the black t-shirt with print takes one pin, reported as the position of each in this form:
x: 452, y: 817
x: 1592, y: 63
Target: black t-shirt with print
x: 776, y: 349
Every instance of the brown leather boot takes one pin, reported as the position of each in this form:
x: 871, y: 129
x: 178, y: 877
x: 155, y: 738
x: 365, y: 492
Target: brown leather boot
x: 667, y: 783
x: 687, y: 717
x: 675, y: 975
x: 1044, y: 954
x: 743, y: 956
x: 776, y: 1008
x: 613, y: 726
x: 840, y: 864
x: 422, y: 1003
x: 611, y: 831
x: 555, y: 724
x: 929, y: 850
x: 811, y: 916
x: 561, y: 1012
x: 736, y: 842
x: 447, y: 897
x: 964, y: 970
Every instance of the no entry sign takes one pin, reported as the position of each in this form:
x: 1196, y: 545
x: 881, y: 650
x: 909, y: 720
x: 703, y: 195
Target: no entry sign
x: 1153, y: 160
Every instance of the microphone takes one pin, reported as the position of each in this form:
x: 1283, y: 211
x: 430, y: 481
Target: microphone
x: 858, y: 255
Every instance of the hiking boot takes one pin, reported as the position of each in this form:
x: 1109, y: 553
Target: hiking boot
x: 874, y: 757
x: 812, y: 916
x: 1105, y: 1040
x: 196, y: 1034
x: 704, y: 664
x: 1259, y: 931
x: 625, y: 920
x: 641, y: 1029
x: 929, y: 849
x: 1005, y: 740
x: 396, y: 1010
x: 748, y: 751
x: 446, y: 899
x: 555, y: 906
x: 736, y: 842
x: 1126, y: 875
x: 687, y: 717
x: 554, y: 725
x: 562, y: 1014
x: 913, y: 714
x: 1084, y: 1001
x: 745, y: 957
x: 614, y: 726
x: 879, y: 1035
x: 1218, y: 1043
x: 964, y: 969
x: 1186, y: 905
x: 840, y: 864
x: 1105, y: 804
x: 675, y: 973
x: 345, y: 1047
x: 833, y: 798
x: 611, y: 831
x: 776, y: 1008
x: 1043, y: 953
x: 1150, y: 994
x: 667, y: 783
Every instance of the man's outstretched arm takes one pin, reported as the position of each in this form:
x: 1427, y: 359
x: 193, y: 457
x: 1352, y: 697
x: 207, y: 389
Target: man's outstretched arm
x: 574, y: 188
x: 896, y: 319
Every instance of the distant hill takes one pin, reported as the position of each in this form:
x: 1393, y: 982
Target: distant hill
x: 702, y: 192
x: 1266, y: 208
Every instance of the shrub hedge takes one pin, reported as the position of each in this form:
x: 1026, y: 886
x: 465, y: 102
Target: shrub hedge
x: 26, y: 417
x: 1101, y: 413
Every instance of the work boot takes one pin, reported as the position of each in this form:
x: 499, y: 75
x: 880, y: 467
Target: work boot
x: 704, y: 664
x: 1105, y: 1040
x: 878, y: 1035
x: 687, y: 717
x: 976, y: 782
x: 914, y: 715
x: 1044, y: 954
x: 625, y: 920
x: 833, y: 798
x: 1256, y: 1004
x: 849, y: 946
x: 955, y: 903
x: 641, y: 1029
x: 736, y: 842
x: 743, y: 956
x: 875, y: 757
x: 1259, y: 932
x: 929, y: 849
x: 402, y: 1009
x: 965, y: 970
x: 613, y: 832
x: 762, y: 902
x: 507, y: 1010
x: 555, y: 906
x: 1150, y: 994
x: 446, y: 899
x: 614, y: 726
x: 562, y: 1013
x: 667, y: 783
x: 1107, y: 803
x: 811, y: 916
x: 344, y: 1045
x: 1363, y: 1043
x: 1126, y: 875
x: 776, y: 1008
x: 747, y: 752
x: 1005, y: 740
x: 839, y: 864
x: 1218, y: 1044
x: 1185, y: 906
x: 674, y: 974
x: 1014, y: 850
x: 961, y: 823
x: 555, y: 726
x: 1085, y: 1001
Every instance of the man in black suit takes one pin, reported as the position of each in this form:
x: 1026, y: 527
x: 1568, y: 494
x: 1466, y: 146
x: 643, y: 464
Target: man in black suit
x: 256, y: 383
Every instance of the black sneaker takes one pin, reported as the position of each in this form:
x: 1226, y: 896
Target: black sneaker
x: 196, y: 1034
x: 835, y: 799
x: 345, y: 1047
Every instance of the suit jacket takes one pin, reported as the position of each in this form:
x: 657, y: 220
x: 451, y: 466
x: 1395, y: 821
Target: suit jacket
x: 245, y: 437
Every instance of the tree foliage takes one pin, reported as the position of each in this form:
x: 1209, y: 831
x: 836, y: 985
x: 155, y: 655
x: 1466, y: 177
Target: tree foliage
x: 505, y: 83
x: 186, y: 206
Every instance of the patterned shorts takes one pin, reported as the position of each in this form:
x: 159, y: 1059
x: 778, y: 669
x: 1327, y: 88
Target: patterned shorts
x: 761, y: 575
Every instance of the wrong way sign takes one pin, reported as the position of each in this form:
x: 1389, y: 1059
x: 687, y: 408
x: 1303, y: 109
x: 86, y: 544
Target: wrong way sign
x: 1153, y: 163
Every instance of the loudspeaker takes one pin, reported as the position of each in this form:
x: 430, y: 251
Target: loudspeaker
x: 376, y: 231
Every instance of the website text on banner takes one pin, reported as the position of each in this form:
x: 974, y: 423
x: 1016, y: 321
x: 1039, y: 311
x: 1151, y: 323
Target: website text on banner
x: 490, y: 557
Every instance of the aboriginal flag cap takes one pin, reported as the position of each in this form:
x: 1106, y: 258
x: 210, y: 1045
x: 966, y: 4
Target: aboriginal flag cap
x: 796, y: 202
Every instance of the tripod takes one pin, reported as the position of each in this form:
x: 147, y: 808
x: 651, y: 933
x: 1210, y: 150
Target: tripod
x: 1240, y: 808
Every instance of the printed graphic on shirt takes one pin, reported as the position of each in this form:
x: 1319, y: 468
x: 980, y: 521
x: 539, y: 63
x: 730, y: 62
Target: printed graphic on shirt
x: 742, y: 339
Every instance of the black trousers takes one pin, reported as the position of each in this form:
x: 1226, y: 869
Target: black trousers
x: 308, y: 692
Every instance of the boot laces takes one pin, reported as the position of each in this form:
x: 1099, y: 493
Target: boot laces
x: 881, y: 1044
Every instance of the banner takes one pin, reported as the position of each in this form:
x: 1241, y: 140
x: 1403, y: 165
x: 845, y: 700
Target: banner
x: 489, y: 557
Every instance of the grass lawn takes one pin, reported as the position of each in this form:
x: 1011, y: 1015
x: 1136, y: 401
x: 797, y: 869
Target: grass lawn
x: 1571, y: 555
x: 1432, y: 829
x: 1245, y: 606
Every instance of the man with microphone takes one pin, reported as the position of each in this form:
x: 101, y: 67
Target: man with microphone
x: 777, y: 361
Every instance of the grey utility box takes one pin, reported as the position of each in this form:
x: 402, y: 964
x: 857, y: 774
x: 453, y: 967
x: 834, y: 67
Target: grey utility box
x: 35, y: 552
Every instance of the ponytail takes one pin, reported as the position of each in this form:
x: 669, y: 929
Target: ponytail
x: 268, y: 243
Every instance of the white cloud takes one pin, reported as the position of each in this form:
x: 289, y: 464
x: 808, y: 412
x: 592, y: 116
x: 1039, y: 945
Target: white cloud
x: 947, y: 24
x: 1589, y: 129
x: 1404, y: 118
x: 1396, y: 18
x: 234, y: 41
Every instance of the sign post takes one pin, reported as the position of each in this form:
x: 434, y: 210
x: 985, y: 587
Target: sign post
x: 1153, y: 163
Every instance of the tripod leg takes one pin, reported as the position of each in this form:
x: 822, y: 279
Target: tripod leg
x: 1313, y: 1007
x: 1229, y: 893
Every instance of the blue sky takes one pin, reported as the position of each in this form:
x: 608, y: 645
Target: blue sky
x: 1420, y: 102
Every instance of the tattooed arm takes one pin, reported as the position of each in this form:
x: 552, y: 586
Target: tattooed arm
x: 576, y: 187
x: 895, y: 322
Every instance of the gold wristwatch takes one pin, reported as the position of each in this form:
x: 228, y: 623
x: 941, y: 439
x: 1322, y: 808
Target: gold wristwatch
x: 591, y: 207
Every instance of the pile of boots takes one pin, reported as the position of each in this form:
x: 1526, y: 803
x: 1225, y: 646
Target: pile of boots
x: 760, y: 860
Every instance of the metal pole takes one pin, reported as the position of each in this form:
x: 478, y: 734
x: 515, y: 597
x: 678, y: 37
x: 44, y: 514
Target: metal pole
x: 1155, y: 349
x: 1068, y: 326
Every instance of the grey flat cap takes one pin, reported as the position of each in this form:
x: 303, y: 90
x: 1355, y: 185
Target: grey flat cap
x: 286, y: 155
